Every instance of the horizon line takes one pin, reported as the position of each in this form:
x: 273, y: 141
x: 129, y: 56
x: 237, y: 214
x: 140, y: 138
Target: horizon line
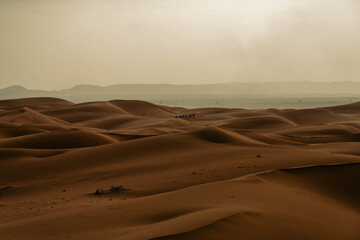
x: 173, y: 84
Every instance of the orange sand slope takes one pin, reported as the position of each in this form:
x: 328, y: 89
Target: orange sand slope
x: 223, y: 174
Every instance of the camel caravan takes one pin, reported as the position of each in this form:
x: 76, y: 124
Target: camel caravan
x: 186, y: 116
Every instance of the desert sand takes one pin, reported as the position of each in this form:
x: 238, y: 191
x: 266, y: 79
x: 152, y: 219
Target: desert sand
x: 130, y: 170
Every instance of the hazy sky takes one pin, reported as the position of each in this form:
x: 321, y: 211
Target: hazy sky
x: 55, y: 44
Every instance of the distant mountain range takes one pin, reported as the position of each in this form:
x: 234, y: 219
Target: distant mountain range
x: 196, y: 95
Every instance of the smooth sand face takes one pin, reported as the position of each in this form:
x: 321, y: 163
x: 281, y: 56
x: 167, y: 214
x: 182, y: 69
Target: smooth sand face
x: 225, y: 174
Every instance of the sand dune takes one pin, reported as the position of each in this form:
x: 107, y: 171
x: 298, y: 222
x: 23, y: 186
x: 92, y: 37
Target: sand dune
x: 142, y: 108
x: 218, y: 135
x: 8, y: 132
x: 313, y: 116
x: 353, y: 108
x: 85, y: 111
x: 36, y: 104
x: 26, y: 115
x: 273, y: 210
x: 223, y: 174
x: 259, y: 122
x: 338, y: 181
x: 57, y: 140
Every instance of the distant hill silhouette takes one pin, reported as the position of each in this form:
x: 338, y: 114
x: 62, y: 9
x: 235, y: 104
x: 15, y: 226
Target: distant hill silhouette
x: 224, y: 94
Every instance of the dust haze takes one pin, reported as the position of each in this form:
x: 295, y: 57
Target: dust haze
x: 58, y: 44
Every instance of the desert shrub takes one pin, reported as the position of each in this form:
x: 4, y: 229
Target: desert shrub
x: 99, y: 191
x: 116, y: 188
